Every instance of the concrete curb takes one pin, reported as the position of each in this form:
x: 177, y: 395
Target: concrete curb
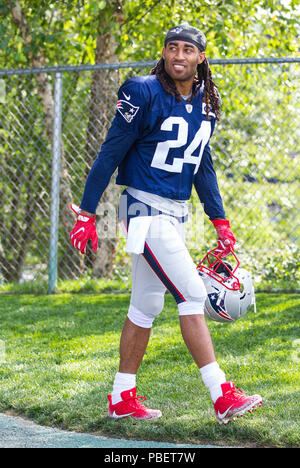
x: 17, y: 432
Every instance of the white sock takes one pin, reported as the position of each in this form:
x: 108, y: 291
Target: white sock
x: 213, y: 377
x: 122, y: 382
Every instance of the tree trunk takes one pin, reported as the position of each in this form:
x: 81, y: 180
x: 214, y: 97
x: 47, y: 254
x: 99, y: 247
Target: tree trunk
x: 103, y: 97
x: 37, y: 60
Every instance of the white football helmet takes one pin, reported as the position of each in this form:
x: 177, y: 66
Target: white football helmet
x: 230, y: 291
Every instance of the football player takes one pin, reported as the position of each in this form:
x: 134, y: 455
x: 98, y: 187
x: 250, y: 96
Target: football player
x: 159, y: 142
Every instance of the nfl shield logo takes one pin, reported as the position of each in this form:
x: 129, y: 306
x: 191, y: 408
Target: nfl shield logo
x: 177, y: 30
x: 189, y: 108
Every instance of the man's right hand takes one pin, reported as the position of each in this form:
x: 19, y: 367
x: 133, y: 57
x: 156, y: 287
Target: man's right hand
x: 83, y: 230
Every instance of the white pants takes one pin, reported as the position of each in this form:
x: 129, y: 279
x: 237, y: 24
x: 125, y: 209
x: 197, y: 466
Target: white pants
x: 164, y: 264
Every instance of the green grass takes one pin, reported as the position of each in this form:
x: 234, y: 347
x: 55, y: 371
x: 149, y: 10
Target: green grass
x: 61, y: 354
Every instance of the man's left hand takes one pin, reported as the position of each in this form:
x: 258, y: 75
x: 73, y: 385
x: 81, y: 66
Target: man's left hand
x: 226, y: 239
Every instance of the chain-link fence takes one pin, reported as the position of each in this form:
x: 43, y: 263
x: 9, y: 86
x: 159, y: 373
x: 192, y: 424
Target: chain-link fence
x: 53, y: 122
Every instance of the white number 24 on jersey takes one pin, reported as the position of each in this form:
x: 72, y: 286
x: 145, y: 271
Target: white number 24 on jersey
x: 199, y: 141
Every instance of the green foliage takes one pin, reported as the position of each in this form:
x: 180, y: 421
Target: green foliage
x: 66, y: 32
x: 233, y: 28
x: 255, y: 145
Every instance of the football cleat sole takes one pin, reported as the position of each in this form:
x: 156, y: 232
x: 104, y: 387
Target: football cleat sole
x: 154, y: 414
x: 240, y: 414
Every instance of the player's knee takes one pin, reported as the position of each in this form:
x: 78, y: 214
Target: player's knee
x: 146, y: 310
x: 194, y: 298
x: 195, y: 289
x: 153, y: 304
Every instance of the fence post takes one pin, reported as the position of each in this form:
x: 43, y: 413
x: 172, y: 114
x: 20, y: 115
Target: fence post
x: 56, y: 156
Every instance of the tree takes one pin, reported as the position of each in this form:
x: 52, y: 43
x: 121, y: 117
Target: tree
x: 35, y: 57
x: 102, y: 93
x: 41, y: 33
x: 35, y: 47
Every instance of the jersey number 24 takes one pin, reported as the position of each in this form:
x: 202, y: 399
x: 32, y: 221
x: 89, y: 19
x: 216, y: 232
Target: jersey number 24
x: 198, y: 143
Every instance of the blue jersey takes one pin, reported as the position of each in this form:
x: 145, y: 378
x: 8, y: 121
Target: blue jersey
x: 159, y: 145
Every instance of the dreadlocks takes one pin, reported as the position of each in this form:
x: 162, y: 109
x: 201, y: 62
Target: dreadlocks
x: 204, y: 75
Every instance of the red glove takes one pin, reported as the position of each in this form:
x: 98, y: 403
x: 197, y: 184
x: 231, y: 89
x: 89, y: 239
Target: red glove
x: 83, y: 230
x: 226, y: 239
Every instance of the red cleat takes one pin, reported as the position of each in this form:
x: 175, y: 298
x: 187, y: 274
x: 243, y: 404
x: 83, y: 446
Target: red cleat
x: 131, y: 406
x: 234, y: 403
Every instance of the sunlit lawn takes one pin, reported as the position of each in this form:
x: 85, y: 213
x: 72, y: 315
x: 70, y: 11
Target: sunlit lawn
x: 59, y: 355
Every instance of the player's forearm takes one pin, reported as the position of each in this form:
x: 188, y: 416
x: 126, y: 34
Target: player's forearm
x: 207, y: 188
x: 93, y: 191
x: 208, y: 191
x: 112, y: 152
x: 97, y: 181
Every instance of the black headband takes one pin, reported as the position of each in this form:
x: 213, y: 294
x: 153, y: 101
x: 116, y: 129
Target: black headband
x: 188, y: 34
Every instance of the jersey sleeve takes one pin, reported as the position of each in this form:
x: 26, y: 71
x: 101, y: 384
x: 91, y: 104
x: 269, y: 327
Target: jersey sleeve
x: 125, y: 129
x: 130, y: 111
x: 207, y: 188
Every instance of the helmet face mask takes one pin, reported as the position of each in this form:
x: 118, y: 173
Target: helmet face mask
x: 220, y: 270
x: 230, y: 290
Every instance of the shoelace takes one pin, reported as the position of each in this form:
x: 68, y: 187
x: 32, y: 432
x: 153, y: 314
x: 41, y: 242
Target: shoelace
x: 137, y: 400
x: 235, y: 393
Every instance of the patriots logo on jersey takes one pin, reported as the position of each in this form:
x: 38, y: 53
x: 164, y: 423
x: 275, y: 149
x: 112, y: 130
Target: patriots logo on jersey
x: 127, y: 110
x: 219, y: 305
